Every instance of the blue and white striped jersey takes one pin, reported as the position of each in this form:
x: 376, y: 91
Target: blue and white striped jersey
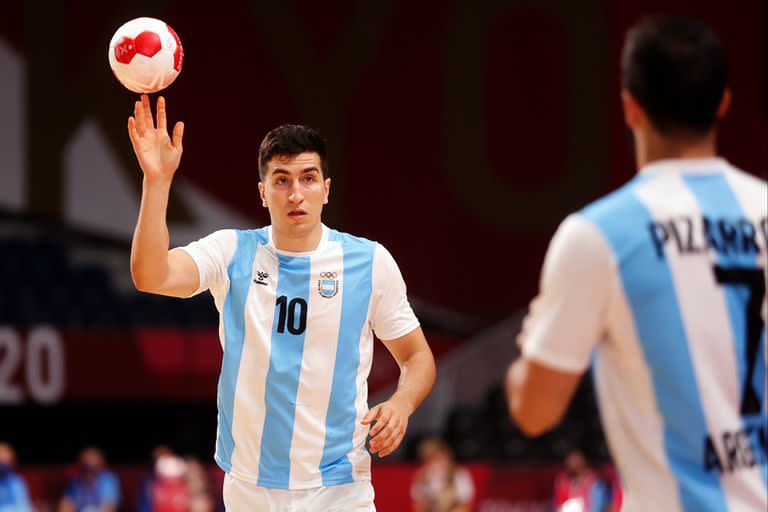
x: 297, y: 333
x: 666, y: 277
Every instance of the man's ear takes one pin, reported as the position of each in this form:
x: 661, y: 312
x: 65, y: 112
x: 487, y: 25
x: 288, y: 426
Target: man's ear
x: 263, y: 194
x: 634, y: 114
x: 327, y: 184
x: 725, y: 104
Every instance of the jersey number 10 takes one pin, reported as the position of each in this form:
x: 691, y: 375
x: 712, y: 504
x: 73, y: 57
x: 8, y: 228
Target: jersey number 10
x: 287, y: 311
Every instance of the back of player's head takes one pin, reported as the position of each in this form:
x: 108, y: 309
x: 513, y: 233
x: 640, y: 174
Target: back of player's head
x: 677, y: 69
x: 291, y: 140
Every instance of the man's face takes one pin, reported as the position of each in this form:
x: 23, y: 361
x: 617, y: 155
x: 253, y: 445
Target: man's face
x: 294, y: 191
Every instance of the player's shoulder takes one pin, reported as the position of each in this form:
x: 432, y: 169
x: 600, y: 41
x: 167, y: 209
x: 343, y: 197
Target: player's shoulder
x: 746, y: 178
x: 615, y: 203
x: 239, y: 241
x: 351, y: 241
x: 746, y: 183
x: 260, y: 235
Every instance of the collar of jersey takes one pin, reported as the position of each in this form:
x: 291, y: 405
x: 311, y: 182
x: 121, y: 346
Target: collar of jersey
x: 685, y: 165
x: 271, y: 244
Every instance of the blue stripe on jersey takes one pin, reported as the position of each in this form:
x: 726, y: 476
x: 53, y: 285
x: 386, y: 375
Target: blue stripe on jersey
x: 340, y: 419
x: 717, y: 200
x: 240, y: 272
x: 650, y: 291
x: 282, y: 384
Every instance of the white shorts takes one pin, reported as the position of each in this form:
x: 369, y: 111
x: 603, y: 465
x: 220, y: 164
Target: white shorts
x: 241, y: 496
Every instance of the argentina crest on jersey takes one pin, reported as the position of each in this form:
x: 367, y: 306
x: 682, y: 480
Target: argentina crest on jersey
x: 328, y: 285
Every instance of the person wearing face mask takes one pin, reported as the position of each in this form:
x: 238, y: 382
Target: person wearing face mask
x: 94, y: 488
x: 14, y: 496
x: 441, y: 485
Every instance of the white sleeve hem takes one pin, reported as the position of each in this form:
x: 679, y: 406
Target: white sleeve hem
x: 195, y: 257
x: 401, y: 332
x: 553, y: 361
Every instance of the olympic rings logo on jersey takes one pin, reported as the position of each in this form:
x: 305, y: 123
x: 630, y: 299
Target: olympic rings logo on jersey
x: 328, y: 285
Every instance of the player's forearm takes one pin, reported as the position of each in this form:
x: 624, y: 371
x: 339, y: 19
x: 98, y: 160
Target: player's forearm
x: 417, y: 375
x: 149, y: 251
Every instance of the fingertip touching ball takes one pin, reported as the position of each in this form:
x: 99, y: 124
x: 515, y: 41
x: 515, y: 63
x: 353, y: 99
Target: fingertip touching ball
x: 145, y: 55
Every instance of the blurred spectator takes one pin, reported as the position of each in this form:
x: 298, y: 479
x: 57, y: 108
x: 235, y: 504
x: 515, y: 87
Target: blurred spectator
x: 169, y: 490
x: 578, y: 488
x: 13, y: 490
x: 175, y: 485
x: 198, y: 487
x: 440, y: 485
x: 93, y: 488
x: 145, y: 502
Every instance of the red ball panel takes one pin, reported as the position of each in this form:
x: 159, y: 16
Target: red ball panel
x: 125, y: 49
x: 147, y: 43
x: 178, y: 55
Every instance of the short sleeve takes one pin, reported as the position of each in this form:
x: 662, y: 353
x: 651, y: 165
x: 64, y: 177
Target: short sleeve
x: 212, y: 255
x: 567, y: 318
x: 392, y: 315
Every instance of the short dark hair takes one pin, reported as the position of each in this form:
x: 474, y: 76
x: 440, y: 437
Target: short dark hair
x: 677, y: 70
x: 291, y: 140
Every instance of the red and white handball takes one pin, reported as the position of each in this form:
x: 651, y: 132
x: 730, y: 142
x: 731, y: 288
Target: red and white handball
x: 145, y: 55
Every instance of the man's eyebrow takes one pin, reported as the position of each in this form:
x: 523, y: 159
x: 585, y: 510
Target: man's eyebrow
x: 278, y: 170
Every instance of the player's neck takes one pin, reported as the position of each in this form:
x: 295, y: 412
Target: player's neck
x: 297, y: 242
x: 655, y: 147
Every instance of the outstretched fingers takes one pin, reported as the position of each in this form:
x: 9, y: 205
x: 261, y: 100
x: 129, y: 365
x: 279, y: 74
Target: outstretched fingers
x: 138, y: 112
x: 132, y: 132
x: 161, y: 116
x: 178, y: 134
x: 147, y: 113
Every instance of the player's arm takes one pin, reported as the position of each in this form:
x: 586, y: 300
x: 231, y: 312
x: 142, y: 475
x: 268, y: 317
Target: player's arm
x: 154, y: 268
x: 538, y: 395
x: 562, y: 327
x: 393, y: 322
x: 417, y: 374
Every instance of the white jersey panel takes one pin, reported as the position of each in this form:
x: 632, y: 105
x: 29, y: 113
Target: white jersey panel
x: 317, y: 366
x: 574, y: 297
x: 249, y: 403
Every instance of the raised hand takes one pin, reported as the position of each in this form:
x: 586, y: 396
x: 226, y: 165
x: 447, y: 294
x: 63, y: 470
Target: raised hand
x: 158, y: 154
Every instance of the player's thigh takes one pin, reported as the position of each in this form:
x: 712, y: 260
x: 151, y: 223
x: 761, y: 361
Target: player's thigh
x: 352, y: 497
x: 241, y: 496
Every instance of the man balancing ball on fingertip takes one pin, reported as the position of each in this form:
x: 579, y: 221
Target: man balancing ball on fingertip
x: 298, y: 305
